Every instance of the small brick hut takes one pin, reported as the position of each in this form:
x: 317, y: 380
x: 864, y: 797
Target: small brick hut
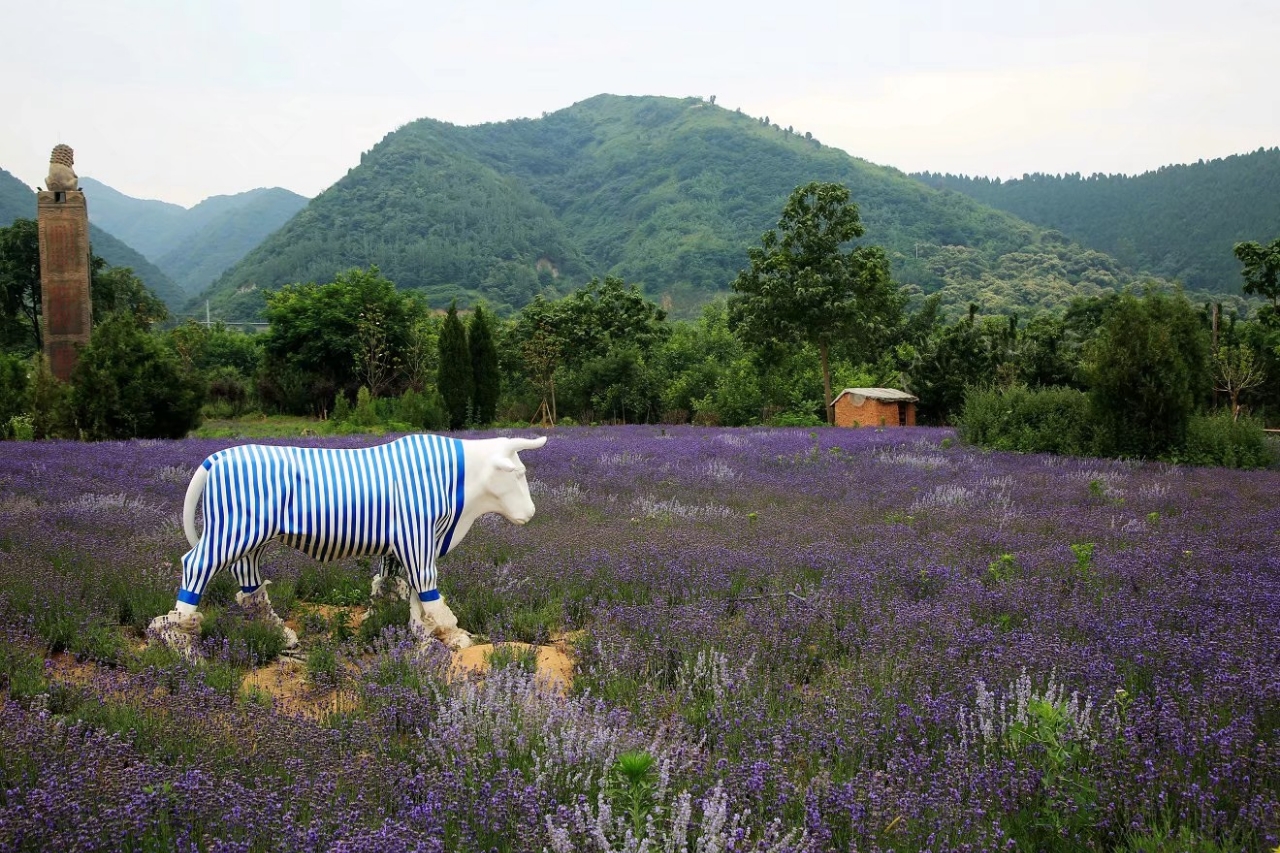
x: 874, y: 407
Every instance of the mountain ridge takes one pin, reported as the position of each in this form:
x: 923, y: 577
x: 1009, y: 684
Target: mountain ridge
x: 18, y: 201
x: 666, y: 192
x: 193, y: 246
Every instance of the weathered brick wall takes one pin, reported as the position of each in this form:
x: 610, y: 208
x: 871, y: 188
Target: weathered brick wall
x: 872, y: 413
x: 63, y: 222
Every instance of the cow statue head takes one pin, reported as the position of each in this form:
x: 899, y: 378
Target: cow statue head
x: 495, y: 478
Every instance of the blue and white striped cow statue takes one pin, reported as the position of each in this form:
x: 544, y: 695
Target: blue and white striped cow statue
x: 413, y: 498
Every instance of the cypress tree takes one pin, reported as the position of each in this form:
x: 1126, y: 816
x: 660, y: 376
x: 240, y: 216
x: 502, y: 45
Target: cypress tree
x: 454, y: 377
x: 484, y: 368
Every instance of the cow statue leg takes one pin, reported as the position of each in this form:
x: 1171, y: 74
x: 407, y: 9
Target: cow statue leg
x: 253, y: 596
x: 180, y: 627
x: 431, y: 617
x: 388, y: 578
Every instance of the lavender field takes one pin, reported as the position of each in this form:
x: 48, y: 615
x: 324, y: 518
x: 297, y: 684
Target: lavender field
x: 785, y: 640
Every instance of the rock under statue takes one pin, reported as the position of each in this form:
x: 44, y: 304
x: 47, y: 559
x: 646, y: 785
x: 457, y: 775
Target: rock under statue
x: 412, y: 499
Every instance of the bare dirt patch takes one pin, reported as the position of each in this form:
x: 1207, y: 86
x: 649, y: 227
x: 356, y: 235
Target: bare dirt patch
x: 555, y: 665
x: 285, y: 682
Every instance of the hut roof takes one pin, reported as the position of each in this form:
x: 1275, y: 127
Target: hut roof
x: 886, y: 395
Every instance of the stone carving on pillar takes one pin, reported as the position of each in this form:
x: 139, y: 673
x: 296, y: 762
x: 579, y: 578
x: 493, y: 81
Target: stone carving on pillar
x: 63, y: 224
x: 62, y: 176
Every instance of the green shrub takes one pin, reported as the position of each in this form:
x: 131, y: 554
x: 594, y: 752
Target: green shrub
x: 98, y: 641
x: 422, y: 411
x: 1147, y: 367
x: 795, y: 419
x: 57, y: 626
x: 127, y: 384
x: 322, y: 665
x: 21, y: 673
x: 507, y: 655
x: 365, y: 414
x: 535, y: 623
x: 1045, y: 420
x: 50, y: 417
x: 228, y: 393
x: 13, y: 392
x: 136, y: 604
x: 20, y: 428
x: 341, y: 408
x: 1217, y: 439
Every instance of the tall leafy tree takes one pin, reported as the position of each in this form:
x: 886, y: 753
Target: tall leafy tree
x: 454, y: 377
x: 20, y: 285
x: 111, y: 289
x: 117, y: 290
x: 607, y: 314
x: 319, y: 343
x: 1147, y: 369
x: 1262, y: 271
x: 1236, y: 370
x: 539, y: 352
x: 806, y: 285
x: 484, y: 367
x: 609, y: 334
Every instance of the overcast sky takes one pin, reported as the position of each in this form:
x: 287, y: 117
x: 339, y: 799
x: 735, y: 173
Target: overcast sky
x: 182, y: 99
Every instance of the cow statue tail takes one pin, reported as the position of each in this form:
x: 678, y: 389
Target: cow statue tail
x: 194, y: 491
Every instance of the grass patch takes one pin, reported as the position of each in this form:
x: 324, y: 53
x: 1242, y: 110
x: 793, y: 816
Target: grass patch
x: 136, y: 604
x: 330, y: 583
x: 384, y: 612
x: 21, y: 673
x: 250, y: 641
x: 322, y: 665
x: 508, y: 655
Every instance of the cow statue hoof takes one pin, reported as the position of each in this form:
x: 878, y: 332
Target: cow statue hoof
x: 259, y: 604
x: 178, y: 630
x: 434, y: 619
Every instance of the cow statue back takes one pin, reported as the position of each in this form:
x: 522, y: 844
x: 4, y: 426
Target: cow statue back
x: 412, y: 499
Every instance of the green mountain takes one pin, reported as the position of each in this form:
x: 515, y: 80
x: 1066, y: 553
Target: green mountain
x: 148, y: 225
x: 18, y: 201
x: 196, y: 260
x: 667, y: 193
x: 1178, y: 222
x: 193, y: 246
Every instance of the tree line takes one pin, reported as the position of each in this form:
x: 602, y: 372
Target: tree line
x: 1178, y: 222
x: 811, y: 312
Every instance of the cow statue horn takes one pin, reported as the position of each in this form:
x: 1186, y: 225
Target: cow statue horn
x: 518, y: 444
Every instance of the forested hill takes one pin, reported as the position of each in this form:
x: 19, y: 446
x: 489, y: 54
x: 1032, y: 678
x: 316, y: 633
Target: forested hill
x: 1178, y: 222
x: 193, y: 246
x: 667, y: 193
x: 18, y: 201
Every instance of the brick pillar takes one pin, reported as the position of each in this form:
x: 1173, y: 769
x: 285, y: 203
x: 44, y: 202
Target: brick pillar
x: 65, y: 321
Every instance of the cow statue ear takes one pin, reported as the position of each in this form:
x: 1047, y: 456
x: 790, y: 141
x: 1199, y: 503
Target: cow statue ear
x: 503, y: 463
